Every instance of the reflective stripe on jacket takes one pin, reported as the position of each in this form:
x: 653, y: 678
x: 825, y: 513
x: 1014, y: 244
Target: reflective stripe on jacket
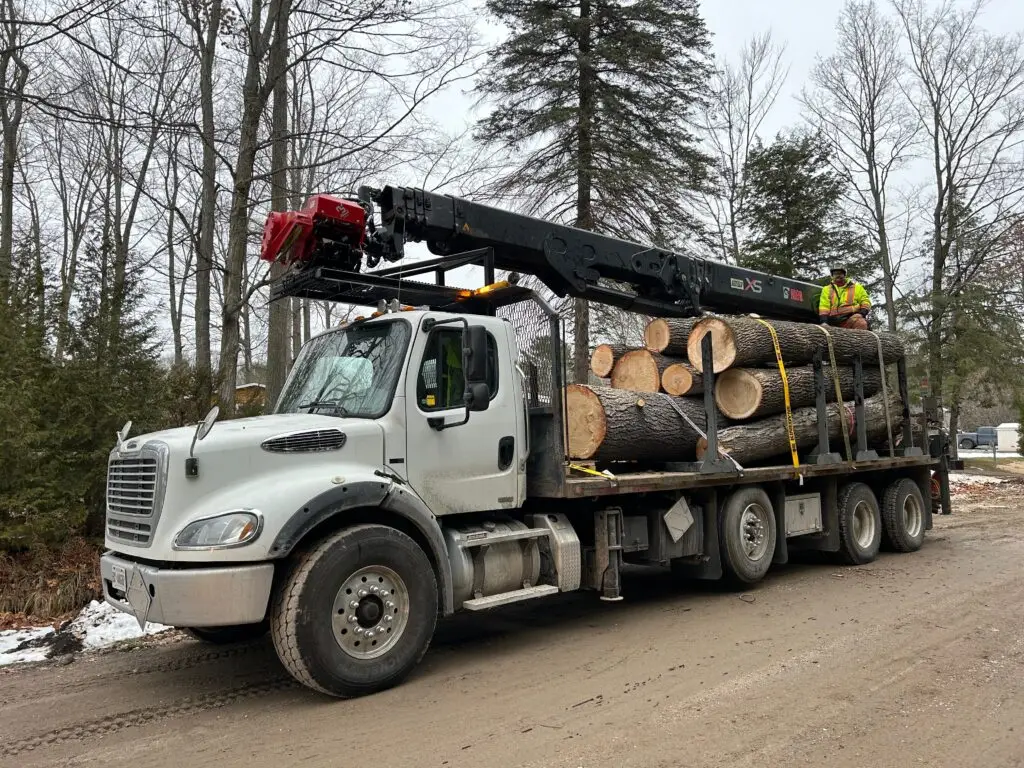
x: 837, y: 301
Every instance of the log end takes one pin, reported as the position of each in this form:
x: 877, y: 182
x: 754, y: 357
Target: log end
x: 657, y: 335
x: 722, y: 340
x: 702, y: 448
x: 637, y: 370
x: 738, y: 393
x: 587, y: 423
x: 677, y: 379
x: 602, y: 359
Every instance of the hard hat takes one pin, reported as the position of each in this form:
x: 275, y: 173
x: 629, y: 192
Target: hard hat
x: 837, y: 268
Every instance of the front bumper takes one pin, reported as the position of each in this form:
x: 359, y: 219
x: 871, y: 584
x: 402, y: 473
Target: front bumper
x: 187, y: 597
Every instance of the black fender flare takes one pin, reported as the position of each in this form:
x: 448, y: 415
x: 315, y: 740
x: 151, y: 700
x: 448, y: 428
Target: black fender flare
x: 383, y: 494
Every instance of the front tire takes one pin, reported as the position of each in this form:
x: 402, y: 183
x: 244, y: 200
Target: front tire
x: 747, y: 536
x: 966, y: 445
x: 357, y: 612
x: 860, y: 524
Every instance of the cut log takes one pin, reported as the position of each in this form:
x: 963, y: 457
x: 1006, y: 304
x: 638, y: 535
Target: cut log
x: 668, y: 335
x: 607, y: 424
x: 743, y: 341
x: 682, y: 379
x: 749, y: 393
x: 603, y: 358
x: 640, y: 370
x: 767, y: 438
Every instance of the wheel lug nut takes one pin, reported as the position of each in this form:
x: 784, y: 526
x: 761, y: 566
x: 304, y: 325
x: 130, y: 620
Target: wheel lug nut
x: 389, y: 618
x: 389, y: 604
x: 362, y: 593
x: 352, y: 619
x: 358, y: 630
x: 353, y: 603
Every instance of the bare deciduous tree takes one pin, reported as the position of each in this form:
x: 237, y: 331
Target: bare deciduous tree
x: 743, y: 94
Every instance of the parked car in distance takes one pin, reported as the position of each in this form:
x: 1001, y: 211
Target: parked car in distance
x: 984, y: 436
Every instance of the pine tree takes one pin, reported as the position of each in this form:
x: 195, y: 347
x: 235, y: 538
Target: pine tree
x: 595, y: 99
x: 794, y: 210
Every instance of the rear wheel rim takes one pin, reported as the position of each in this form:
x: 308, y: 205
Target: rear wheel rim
x: 864, y: 525
x: 913, y: 516
x: 754, y: 529
x: 370, y: 612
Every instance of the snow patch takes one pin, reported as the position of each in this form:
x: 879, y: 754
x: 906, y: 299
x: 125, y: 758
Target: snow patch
x: 97, y: 626
x: 959, y: 478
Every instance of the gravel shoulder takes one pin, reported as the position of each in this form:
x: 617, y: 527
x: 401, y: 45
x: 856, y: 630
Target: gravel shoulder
x: 913, y: 659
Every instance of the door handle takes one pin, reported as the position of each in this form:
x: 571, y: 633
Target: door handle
x: 506, y: 452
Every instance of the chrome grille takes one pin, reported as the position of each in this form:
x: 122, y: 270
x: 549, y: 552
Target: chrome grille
x: 135, y: 487
x: 305, y: 442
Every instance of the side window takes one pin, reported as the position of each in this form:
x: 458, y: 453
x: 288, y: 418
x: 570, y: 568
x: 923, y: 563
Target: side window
x: 440, y: 384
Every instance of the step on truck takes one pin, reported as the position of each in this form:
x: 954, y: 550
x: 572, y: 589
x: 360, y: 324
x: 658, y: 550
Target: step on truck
x: 415, y: 464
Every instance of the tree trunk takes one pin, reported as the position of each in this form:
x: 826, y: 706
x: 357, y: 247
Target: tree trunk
x: 208, y: 200
x: 682, y: 379
x: 669, y: 335
x: 749, y: 393
x: 253, y: 100
x: 584, y: 183
x: 618, y: 425
x: 603, y: 358
x: 767, y: 438
x: 743, y: 341
x: 640, y: 370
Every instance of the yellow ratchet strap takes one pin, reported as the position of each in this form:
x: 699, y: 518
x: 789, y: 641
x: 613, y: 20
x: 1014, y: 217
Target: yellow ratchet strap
x: 791, y: 433
x: 587, y: 470
x: 840, y: 405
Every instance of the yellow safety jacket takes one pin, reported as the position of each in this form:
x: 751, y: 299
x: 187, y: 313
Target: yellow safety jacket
x: 840, y: 301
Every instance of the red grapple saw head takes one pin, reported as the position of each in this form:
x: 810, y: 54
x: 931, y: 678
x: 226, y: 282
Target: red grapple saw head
x: 327, y: 226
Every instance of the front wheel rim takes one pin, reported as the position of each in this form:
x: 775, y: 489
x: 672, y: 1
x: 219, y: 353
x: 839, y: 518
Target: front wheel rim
x: 370, y: 612
x: 913, y: 516
x: 754, y: 529
x: 864, y: 525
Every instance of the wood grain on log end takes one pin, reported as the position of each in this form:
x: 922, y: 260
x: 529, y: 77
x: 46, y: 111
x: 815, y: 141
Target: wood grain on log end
x: 638, y: 371
x: 588, y: 424
x: 738, y: 393
x: 601, y: 360
x: 657, y: 335
x: 677, y: 379
x: 722, y: 341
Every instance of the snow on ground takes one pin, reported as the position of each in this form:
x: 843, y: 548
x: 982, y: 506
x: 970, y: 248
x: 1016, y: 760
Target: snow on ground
x: 97, y: 626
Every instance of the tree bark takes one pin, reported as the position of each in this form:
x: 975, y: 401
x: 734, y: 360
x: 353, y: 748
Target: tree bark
x: 640, y: 370
x: 749, y: 393
x: 584, y: 182
x: 207, y: 43
x: 682, y: 379
x: 669, y: 335
x: 619, y: 425
x: 603, y: 358
x: 767, y: 438
x: 743, y: 341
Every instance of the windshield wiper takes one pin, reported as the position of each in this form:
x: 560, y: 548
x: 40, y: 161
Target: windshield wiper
x: 325, y: 404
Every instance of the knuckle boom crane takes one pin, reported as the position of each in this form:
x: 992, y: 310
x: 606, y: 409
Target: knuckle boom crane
x: 328, y: 240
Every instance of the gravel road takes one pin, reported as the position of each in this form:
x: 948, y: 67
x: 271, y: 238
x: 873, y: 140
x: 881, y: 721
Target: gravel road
x: 915, y: 659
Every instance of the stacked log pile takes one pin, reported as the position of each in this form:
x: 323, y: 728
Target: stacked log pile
x: 636, y: 416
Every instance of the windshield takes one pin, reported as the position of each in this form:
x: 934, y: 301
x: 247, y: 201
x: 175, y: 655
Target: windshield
x: 348, y: 373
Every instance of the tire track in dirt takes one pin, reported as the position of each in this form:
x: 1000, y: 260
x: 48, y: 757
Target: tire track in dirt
x: 145, y: 716
x: 178, y: 663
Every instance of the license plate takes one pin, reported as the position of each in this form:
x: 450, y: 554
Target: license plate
x: 120, y: 579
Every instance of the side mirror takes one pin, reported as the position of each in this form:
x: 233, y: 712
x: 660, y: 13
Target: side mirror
x: 478, y: 396
x: 474, y: 355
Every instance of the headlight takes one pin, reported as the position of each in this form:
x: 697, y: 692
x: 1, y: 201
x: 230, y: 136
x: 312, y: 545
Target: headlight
x: 233, y: 529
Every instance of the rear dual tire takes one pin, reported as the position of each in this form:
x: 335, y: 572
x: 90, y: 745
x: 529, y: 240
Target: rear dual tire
x: 903, y: 516
x: 860, y: 524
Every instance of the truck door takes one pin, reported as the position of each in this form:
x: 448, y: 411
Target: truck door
x: 474, y: 466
